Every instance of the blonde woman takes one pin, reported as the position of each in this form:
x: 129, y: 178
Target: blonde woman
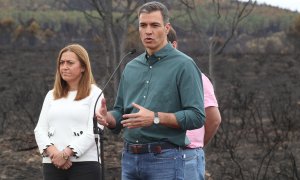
x: 64, y: 132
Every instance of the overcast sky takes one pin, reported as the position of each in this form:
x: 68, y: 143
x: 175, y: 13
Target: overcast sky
x: 293, y: 5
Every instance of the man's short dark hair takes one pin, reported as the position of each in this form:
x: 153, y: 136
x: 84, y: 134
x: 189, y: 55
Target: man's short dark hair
x: 155, y: 6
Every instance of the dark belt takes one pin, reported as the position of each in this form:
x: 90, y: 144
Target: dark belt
x: 148, y: 148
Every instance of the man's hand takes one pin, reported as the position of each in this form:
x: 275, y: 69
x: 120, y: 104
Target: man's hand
x: 101, y: 114
x: 143, y: 118
x: 105, y: 118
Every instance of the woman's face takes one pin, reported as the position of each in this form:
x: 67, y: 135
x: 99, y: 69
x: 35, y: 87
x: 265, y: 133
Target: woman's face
x: 70, y: 68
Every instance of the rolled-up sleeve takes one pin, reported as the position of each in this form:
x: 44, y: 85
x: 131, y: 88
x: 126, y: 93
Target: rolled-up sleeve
x: 191, y: 94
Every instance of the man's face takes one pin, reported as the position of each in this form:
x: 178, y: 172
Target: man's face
x: 153, y: 32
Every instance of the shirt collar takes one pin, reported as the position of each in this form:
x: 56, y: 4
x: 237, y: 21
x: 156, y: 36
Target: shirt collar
x: 159, y: 55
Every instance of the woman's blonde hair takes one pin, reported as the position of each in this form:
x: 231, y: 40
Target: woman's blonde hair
x: 61, y: 87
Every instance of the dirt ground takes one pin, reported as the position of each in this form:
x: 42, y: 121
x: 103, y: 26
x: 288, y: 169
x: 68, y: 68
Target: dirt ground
x: 259, y: 101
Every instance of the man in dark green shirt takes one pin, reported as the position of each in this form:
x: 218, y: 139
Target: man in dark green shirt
x: 160, y: 96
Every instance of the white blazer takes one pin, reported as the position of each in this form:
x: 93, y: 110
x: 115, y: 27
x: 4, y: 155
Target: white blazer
x: 65, y: 122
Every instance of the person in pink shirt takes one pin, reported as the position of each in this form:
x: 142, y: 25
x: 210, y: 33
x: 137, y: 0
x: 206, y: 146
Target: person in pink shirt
x: 199, y: 138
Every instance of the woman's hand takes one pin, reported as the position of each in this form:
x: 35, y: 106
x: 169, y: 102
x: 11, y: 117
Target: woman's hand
x: 58, y: 159
x: 67, y: 165
x: 51, y: 150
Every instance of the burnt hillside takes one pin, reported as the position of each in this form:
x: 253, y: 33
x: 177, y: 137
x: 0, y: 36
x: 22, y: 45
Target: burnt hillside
x: 258, y: 96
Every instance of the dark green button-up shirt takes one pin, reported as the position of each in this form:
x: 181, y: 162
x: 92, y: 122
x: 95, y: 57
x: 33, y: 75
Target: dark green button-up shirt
x: 167, y: 81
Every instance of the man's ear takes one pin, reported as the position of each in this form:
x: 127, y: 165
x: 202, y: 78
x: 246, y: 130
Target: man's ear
x: 167, y: 28
x: 174, y: 44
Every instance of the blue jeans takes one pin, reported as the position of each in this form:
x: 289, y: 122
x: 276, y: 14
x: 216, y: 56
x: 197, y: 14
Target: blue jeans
x: 194, y: 164
x: 168, y: 164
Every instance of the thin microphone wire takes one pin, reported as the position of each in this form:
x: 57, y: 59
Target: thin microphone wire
x: 96, y: 129
x: 130, y: 52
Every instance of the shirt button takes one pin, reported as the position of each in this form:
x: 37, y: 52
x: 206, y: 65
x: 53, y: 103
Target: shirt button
x: 147, y: 82
x: 144, y: 97
x: 158, y: 58
x: 137, y: 141
x: 150, y: 67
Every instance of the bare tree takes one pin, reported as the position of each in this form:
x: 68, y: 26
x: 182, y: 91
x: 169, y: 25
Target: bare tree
x: 111, y: 21
x: 220, y: 36
x: 258, y: 131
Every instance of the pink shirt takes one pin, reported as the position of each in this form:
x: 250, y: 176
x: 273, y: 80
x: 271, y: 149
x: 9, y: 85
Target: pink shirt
x: 196, y: 136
